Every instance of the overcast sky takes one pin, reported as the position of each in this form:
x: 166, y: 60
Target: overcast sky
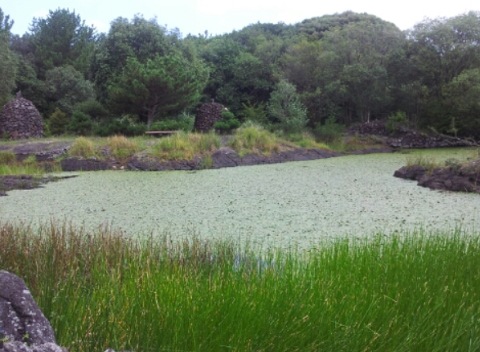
x: 224, y: 16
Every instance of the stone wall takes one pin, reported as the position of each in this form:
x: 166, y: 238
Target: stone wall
x: 20, y: 119
x: 207, y: 115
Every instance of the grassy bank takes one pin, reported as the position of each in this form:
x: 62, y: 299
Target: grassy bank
x: 411, y: 292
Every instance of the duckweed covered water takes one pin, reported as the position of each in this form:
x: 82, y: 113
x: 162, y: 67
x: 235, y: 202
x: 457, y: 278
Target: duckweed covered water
x: 299, y: 203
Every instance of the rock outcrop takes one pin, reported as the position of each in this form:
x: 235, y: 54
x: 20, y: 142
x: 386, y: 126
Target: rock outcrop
x: 21, y: 321
x: 207, y: 115
x: 20, y: 119
x: 462, y: 179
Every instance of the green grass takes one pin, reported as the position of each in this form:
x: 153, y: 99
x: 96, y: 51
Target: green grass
x: 254, y: 139
x: 406, y: 292
x: 82, y: 147
x: 184, y: 146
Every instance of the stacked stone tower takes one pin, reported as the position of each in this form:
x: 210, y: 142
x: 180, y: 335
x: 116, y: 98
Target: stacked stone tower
x: 20, y: 119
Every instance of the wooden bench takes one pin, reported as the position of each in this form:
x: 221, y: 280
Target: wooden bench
x: 161, y: 133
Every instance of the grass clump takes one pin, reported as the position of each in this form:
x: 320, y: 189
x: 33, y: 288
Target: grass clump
x: 406, y: 292
x: 82, y: 147
x: 184, y: 146
x: 251, y: 138
x: 305, y: 140
x: 426, y: 162
x: 121, y: 147
x: 7, y: 158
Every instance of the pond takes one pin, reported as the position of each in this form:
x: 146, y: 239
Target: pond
x: 298, y: 203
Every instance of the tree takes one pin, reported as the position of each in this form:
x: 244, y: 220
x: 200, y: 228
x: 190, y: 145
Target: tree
x: 164, y: 84
x: 138, y: 38
x: 66, y: 87
x: 285, y: 107
x: 8, y: 62
x: 61, y: 38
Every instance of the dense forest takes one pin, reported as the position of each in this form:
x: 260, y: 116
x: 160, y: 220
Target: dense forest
x: 336, y: 69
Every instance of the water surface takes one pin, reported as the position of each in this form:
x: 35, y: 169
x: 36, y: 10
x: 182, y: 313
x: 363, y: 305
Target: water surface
x: 299, y: 203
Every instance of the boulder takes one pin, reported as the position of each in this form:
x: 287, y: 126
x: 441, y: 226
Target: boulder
x: 20, y: 317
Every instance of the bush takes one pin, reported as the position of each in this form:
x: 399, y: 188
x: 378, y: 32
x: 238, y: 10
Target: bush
x: 285, y: 107
x: 124, y: 125
x: 80, y: 123
x: 330, y: 131
x: 169, y: 125
x: 92, y: 108
x: 255, y: 113
x: 82, y: 147
x: 395, y: 121
x: 227, y: 123
x: 58, y: 122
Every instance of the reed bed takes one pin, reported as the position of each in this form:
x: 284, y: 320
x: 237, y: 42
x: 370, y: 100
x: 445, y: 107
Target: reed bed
x: 415, y: 291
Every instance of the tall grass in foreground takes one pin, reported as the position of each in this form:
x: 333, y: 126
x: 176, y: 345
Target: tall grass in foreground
x: 407, y: 292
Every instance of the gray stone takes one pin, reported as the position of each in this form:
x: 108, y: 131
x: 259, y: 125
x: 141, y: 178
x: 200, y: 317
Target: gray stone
x: 20, y: 317
x: 20, y: 119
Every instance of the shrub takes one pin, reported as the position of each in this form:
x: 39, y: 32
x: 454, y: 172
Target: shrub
x: 255, y: 113
x: 330, y: 131
x: 395, y: 121
x: 285, y: 107
x: 121, y: 147
x: 82, y: 147
x: 7, y: 157
x: 124, y: 125
x: 92, y: 108
x: 80, y: 123
x: 58, y: 122
x: 227, y: 123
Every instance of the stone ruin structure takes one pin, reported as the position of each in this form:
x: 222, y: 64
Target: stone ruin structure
x: 207, y: 115
x: 20, y: 119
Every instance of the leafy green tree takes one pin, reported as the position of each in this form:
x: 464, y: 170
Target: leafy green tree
x: 8, y: 62
x: 137, y: 38
x: 285, y: 108
x: 165, y: 84
x: 66, y: 87
x: 61, y: 38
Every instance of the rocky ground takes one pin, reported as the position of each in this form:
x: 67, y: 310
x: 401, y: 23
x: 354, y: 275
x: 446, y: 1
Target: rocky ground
x: 7, y: 183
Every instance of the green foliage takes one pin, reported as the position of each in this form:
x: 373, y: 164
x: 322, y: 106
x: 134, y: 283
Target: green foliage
x: 58, y: 122
x: 66, y: 87
x: 7, y: 157
x: 82, y: 147
x: 125, y: 125
x: 8, y: 60
x: 121, y: 147
x: 330, y: 131
x: 185, y: 146
x: 162, y: 85
x: 170, y: 125
x: 227, y: 123
x: 61, y: 39
x: 92, y: 108
x: 399, y: 292
x: 419, y: 160
x: 251, y: 138
x: 255, y: 113
x: 285, y: 107
x: 80, y: 123
x: 395, y: 121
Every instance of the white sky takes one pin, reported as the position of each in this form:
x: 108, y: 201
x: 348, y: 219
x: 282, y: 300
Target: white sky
x: 224, y: 16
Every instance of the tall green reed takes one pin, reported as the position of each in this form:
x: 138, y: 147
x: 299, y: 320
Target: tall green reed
x: 411, y: 291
